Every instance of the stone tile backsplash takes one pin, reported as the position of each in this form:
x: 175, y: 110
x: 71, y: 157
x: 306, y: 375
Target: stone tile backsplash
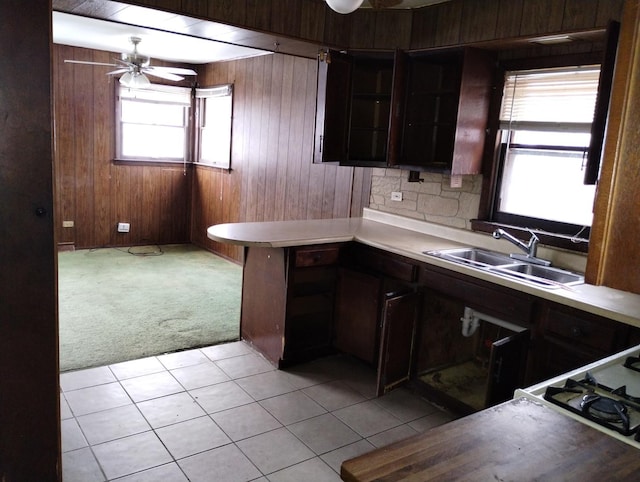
x: 433, y: 199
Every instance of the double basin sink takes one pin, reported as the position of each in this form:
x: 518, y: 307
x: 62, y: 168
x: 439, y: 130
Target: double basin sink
x: 503, y: 265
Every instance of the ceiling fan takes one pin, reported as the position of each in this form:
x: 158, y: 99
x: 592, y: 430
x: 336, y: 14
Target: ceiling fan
x: 134, y: 66
x: 348, y: 6
x: 384, y: 3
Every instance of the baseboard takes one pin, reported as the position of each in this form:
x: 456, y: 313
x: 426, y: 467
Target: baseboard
x: 66, y: 247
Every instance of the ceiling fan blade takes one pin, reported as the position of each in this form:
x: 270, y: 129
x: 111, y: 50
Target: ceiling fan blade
x: 86, y: 62
x: 163, y: 75
x: 118, y: 71
x: 384, y: 3
x: 174, y: 70
x: 121, y: 63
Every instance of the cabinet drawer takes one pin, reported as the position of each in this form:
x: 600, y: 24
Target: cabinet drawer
x: 560, y: 356
x: 593, y: 332
x: 391, y: 265
x: 502, y: 303
x: 319, y: 256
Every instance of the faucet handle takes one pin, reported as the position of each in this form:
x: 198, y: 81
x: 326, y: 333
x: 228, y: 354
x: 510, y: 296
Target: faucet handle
x: 533, y: 244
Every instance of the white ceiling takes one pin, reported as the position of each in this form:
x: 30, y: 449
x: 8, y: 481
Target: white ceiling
x: 96, y: 34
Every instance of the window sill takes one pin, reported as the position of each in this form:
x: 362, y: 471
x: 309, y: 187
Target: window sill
x: 580, y: 245
x: 212, y: 166
x: 149, y: 162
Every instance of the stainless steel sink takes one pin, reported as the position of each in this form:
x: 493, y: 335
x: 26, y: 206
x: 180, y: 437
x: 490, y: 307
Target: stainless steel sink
x: 540, y: 274
x: 503, y: 265
x: 473, y: 256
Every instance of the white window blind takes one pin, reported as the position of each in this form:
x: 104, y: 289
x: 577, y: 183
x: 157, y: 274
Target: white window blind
x: 168, y: 94
x: 153, y: 123
x: 553, y: 99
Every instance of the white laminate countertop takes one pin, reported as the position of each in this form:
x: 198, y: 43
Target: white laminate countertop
x: 409, y: 237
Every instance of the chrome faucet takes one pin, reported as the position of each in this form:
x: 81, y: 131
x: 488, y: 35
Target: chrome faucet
x: 530, y: 248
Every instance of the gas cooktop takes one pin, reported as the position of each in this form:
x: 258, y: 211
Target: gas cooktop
x: 604, y: 395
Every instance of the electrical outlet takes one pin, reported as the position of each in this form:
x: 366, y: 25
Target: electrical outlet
x: 396, y: 196
x: 123, y: 227
x: 67, y: 224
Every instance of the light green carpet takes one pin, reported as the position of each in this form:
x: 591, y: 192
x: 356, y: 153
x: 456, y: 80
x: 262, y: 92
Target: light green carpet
x: 115, y: 306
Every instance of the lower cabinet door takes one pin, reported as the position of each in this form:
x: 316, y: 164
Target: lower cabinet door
x: 357, y: 313
x: 507, y: 364
x: 399, y: 315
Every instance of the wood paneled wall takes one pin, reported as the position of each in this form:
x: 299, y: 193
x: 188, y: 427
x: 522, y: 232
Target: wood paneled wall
x: 468, y: 21
x: 449, y: 23
x: 93, y: 191
x: 614, y: 257
x: 272, y: 175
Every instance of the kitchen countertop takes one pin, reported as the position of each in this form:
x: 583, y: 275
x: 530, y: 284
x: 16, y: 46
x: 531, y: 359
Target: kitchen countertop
x: 517, y: 440
x: 409, y: 237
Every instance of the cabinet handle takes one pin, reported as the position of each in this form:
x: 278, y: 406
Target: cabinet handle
x: 576, y: 331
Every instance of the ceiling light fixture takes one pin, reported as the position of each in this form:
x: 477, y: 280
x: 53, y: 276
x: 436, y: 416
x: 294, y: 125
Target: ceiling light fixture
x: 135, y: 80
x: 551, y: 40
x: 344, y: 6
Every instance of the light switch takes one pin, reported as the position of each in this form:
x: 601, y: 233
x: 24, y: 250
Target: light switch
x: 396, y: 196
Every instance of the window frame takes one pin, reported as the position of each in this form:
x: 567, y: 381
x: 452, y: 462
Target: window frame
x: 201, y: 95
x: 509, y: 128
x: 549, y: 233
x: 187, y: 123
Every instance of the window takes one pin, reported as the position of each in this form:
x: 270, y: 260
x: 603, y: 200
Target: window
x: 213, y: 135
x: 545, y: 124
x: 153, y: 124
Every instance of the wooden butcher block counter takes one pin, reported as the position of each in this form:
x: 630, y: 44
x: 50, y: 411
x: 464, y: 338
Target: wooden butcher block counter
x: 519, y: 440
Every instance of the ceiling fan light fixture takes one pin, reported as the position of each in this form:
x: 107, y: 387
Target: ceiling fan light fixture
x: 135, y: 80
x: 344, y: 6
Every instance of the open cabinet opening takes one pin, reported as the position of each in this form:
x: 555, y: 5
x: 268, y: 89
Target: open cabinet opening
x: 471, y: 360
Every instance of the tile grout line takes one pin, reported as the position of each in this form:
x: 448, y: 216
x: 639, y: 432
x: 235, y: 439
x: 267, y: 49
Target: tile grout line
x: 330, y: 378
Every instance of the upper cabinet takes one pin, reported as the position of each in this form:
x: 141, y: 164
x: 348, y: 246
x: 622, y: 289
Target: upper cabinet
x: 419, y: 111
x: 354, y: 108
x: 446, y: 107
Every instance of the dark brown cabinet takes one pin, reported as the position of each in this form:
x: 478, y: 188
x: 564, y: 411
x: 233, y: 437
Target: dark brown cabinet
x: 357, y: 314
x: 377, y: 305
x: 287, y: 301
x: 404, y: 318
x: 571, y: 338
x: 467, y: 367
x: 354, y: 108
x: 446, y: 106
x: 418, y: 110
x: 399, y: 314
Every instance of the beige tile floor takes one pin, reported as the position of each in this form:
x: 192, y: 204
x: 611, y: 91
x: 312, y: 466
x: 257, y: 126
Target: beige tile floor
x: 223, y: 413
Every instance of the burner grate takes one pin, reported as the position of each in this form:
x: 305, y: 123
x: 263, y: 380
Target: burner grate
x: 597, y: 403
x: 632, y: 363
x: 605, y: 408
